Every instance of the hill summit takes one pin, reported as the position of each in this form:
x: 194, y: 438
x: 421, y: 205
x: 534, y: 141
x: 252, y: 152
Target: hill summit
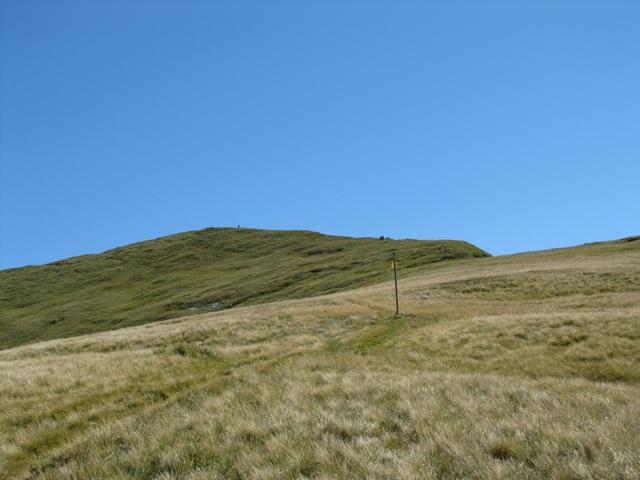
x: 197, y: 272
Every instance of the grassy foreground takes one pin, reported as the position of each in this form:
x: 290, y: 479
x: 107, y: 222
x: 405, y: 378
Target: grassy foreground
x: 195, y: 272
x: 525, y: 366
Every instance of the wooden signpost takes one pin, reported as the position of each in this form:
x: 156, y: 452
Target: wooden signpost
x: 394, y: 261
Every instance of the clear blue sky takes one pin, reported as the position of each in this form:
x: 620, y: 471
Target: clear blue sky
x: 514, y: 125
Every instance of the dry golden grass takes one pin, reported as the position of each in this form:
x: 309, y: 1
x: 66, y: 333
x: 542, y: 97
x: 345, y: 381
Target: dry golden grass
x: 515, y: 367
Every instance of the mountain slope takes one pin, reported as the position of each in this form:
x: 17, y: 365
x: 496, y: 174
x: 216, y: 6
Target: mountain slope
x: 523, y: 366
x: 195, y: 272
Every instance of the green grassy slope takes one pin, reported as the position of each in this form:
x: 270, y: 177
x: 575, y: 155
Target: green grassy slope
x: 516, y: 367
x: 196, y: 272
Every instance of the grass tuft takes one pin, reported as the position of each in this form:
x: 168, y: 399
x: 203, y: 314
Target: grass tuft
x: 504, y: 449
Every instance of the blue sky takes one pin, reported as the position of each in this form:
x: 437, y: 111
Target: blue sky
x: 514, y: 125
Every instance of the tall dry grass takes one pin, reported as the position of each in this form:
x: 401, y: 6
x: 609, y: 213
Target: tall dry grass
x: 515, y: 367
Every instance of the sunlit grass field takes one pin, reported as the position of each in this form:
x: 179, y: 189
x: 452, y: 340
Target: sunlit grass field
x: 526, y: 366
x: 196, y: 272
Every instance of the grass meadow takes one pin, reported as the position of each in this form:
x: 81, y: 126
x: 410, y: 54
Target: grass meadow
x: 524, y: 366
x: 196, y: 272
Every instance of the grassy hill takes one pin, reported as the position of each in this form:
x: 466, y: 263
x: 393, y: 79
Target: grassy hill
x: 194, y: 272
x: 524, y: 366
